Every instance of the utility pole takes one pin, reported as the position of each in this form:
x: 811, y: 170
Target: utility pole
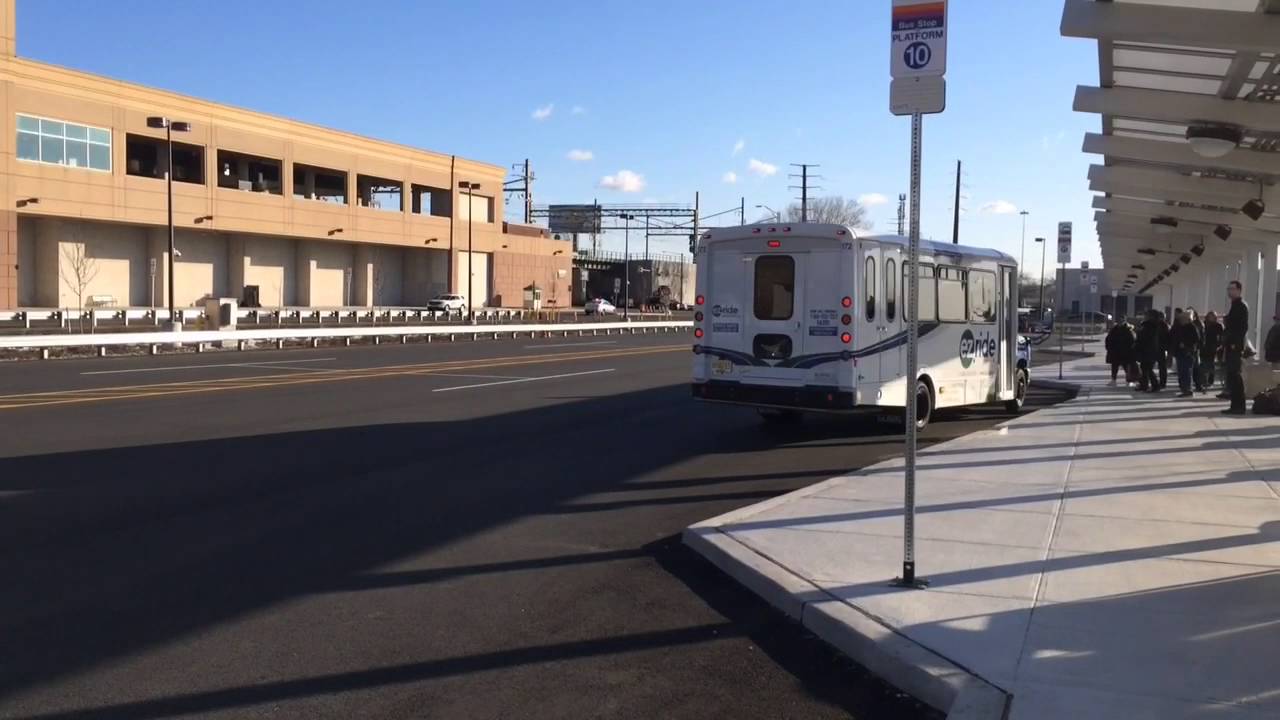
x: 1022, y: 256
x: 693, y: 239
x: 902, y: 214
x: 524, y: 187
x: 804, y: 187
x: 955, y: 223
x: 742, y: 211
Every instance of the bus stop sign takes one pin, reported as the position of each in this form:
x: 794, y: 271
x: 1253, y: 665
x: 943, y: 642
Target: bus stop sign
x: 918, y: 44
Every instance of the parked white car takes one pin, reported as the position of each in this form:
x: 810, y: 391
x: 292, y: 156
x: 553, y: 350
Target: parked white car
x: 447, y: 301
x: 599, y: 306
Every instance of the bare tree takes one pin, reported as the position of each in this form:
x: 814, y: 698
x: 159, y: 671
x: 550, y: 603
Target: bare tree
x: 77, y: 270
x: 835, y: 209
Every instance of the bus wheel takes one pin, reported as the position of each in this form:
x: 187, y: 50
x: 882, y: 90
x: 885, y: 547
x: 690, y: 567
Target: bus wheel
x: 924, y: 405
x: 1020, y: 383
x: 780, y: 417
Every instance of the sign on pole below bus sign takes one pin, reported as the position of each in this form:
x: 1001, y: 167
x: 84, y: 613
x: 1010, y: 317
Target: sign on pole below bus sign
x: 919, y: 46
x: 1064, y: 242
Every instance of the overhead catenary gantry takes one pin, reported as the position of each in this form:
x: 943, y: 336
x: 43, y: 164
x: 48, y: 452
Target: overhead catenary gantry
x: 1189, y: 101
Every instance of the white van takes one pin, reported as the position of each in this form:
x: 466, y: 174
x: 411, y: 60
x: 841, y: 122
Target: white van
x: 809, y: 317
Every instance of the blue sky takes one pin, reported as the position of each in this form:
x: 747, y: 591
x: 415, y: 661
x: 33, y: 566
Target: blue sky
x: 665, y: 91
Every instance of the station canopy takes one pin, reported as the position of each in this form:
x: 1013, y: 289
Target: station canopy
x: 1189, y: 98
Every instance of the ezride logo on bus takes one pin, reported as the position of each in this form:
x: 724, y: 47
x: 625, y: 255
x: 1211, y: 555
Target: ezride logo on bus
x: 972, y: 347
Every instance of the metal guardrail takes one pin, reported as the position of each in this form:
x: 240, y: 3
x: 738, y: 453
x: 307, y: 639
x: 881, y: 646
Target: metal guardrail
x: 155, y: 317
x: 280, y: 334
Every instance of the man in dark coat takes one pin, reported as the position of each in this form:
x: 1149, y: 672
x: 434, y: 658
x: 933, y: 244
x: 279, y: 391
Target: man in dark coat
x: 1186, y: 348
x: 1210, y: 349
x: 1148, y: 350
x: 1119, y: 344
x: 1235, y: 331
x: 1271, y: 348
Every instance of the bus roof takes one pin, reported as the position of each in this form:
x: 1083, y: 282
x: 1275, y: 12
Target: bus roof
x: 834, y: 231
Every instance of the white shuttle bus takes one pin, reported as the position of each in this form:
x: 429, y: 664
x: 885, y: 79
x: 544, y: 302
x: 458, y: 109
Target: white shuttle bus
x: 808, y: 317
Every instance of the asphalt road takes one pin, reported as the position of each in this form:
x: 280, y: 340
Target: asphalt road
x: 470, y: 530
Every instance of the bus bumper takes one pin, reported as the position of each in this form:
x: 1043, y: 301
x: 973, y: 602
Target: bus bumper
x: 810, y: 397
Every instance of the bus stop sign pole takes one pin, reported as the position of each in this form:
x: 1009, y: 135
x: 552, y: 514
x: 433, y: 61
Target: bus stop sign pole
x: 908, y: 578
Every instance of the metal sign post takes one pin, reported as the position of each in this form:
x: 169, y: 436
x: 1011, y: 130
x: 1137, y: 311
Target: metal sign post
x: 918, y: 62
x: 1064, y: 257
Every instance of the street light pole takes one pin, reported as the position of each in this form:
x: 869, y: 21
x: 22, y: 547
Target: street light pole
x: 1022, y: 256
x: 777, y: 216
x: 169, y: 126
x: 1042, y: 246
x: 626, y: 266
x: 471, y: 308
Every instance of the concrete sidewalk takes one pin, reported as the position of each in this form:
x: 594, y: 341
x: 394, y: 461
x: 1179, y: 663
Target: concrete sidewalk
x: 1115, y: 556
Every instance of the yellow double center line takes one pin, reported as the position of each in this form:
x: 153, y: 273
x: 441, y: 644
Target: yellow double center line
x: 126, y: 392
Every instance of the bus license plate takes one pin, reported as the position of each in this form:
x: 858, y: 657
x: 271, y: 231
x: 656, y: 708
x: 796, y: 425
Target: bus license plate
x: 721, y: 367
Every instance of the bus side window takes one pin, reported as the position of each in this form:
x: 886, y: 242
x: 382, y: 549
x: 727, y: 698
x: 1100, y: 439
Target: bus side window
x: 890, y: 292
x: 928, y: 293
x: 869, y: 287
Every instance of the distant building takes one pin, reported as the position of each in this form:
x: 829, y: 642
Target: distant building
x: 1090, y: 291
x: 308, y: 216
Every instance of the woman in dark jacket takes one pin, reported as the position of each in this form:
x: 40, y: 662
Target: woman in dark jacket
x: 1149, y: 349
x: 1211, y: 347
x: 1119, y: 344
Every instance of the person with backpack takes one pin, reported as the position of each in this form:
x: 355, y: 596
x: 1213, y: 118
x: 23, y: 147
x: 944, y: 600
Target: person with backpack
x: 1148, y: 351
x: 1119, y: 344
x: 1271, y: 348
x: 1186, y: 350
x: 1210, y: 349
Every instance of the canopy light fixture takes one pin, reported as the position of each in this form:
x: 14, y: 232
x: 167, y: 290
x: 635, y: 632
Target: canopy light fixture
x: 1198, y: 250
x: 1185, y: 259
x: 1132, y: 276
x: 1254, y: 209
x: 1223, y: 232
x: 1146, y: 251
x: 1164, y: 225
x: 1137, y: 267
x: 1213, y: 141
x: 1174, y: 268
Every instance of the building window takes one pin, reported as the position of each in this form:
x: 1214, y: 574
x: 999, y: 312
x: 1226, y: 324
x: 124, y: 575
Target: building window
x: 775, y: 288
x: 951, y: 295
x: 982, y: 297
x: 147, y: 156
x: 429, y: 200
x: 380, y: 193
x: 238, y: 171
x: 62, y: 143
x: 480, y: 208
x: 317, y: 183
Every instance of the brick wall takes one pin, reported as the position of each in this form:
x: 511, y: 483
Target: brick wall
x: 512, y: 272
x: 8, y: 259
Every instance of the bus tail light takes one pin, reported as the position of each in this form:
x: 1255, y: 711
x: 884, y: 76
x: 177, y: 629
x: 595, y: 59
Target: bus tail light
x: 700, y: 300
x: 697, y: 332
x: 774, y: 243
x: 846, y: 338
x: 846, y: 301
x: 698, y: 316
x: 845, y: 319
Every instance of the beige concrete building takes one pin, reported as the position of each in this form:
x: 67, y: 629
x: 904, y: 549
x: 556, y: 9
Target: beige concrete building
x: 309, y: 216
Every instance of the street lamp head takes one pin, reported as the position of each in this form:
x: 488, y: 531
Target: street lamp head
x: 179, y: 126
x: 157, y: 122
x: 467, y: 185
x: 1040, y: 240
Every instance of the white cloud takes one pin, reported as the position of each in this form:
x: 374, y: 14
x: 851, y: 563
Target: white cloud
x: 730, y: 177
x: 544, y: 112
x: 872, y: 199
x: 738, y: 146
x: 623, y: 181
x: 577, y: 110
x: 580, y: 155
x: 763, y: 169
x: 998, y: 207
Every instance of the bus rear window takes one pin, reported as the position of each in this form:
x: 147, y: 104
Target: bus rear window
x: 775, y: 287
